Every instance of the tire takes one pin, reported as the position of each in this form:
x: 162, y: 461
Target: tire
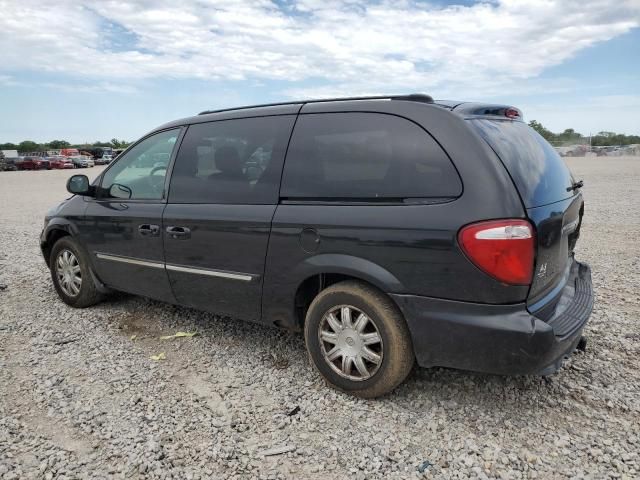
x: 395, y: 357
x: 62, y: 266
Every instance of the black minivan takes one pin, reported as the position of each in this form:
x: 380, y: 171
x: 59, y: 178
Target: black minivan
x: 388, y: 229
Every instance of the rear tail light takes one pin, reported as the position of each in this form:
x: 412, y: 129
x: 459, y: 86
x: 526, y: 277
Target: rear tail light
x: 504, y: 249
x: 512, y: 113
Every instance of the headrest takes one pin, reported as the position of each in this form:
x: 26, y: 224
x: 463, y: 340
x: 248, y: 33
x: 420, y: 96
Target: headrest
x: 228, y: 160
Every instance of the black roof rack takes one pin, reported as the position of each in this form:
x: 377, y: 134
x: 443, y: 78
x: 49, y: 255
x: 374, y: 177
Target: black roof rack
x: 412, y: 97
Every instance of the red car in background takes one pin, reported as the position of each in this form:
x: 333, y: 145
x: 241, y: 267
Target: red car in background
x: 60, y: 162
x: 32, y: 163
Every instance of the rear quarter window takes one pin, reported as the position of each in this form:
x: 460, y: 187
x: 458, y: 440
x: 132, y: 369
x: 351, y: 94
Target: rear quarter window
x: 365, y: 156
x: 540, y: 174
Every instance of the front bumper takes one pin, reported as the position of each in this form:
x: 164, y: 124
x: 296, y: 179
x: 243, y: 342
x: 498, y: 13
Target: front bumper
x: 501, y: 339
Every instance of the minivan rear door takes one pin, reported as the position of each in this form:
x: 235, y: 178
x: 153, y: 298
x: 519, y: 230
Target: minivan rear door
x: 553, y: 202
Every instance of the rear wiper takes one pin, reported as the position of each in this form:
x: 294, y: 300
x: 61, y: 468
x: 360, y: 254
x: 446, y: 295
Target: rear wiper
x: 575, y: 185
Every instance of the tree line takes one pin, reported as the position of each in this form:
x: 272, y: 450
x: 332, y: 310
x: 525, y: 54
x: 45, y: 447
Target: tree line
x: 571, y: 137
x: 31, y: 146
x: 568, y: 137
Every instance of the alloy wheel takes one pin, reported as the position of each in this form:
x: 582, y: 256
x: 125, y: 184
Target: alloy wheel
x: 350, y: 342
x: 68, y: 273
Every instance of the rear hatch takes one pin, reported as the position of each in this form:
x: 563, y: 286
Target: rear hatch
x: 553, y: 203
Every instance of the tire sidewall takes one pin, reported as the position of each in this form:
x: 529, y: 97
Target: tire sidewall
x: 319, y: 307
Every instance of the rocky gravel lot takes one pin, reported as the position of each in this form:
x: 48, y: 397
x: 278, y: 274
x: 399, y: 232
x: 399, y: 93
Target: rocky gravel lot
x: 80, y: 396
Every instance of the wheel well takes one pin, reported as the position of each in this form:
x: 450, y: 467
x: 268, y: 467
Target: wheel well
x: 311, y: 287
x: 53, y: 236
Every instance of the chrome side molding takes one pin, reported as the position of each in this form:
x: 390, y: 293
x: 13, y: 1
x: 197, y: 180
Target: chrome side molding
x: 245, y: 277
x: 212, y: 273
x: 133, y: 261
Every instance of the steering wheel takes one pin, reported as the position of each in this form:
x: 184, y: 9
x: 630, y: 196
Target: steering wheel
x: 157, y: 181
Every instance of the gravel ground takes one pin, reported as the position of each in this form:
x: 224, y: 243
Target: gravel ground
x: 80, y: 396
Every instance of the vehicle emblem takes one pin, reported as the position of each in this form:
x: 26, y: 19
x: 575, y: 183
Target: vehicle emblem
x: 543, y: 270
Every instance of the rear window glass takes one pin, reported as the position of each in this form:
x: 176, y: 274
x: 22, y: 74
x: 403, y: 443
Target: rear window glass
x: 365, y: 156
x: 539, y: 173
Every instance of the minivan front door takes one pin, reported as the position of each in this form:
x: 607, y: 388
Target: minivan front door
x: 222, y: 197
x: 122, y: 226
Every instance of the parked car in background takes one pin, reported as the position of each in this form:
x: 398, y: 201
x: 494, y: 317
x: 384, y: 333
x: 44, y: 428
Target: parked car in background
x: 106, y: 159
x: 60, y: 162
x: 54, y: 162
x: 32, y: 163
x: 79, y: 162
x: 10, y: 164
x: 7, y: 165
x: 89, y: 160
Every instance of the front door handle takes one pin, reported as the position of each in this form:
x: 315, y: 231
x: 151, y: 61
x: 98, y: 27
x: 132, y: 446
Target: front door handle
x: 179, y: 233
x: 147, y: 230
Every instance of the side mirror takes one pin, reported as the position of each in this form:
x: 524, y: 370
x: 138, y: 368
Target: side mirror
x: 79, y: 185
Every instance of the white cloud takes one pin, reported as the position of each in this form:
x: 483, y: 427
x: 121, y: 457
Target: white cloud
x: 98, y: 87
x: 322, y: 47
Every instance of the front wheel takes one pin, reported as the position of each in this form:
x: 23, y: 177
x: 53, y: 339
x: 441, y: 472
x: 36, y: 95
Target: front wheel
x: 358, y: 340
x: 71, y: 274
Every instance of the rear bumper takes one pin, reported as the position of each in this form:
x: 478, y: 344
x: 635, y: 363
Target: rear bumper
x: 501, y: 339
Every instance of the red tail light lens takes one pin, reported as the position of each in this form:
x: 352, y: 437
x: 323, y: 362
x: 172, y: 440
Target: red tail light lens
x: 504, y: 249
x: 512, y: 113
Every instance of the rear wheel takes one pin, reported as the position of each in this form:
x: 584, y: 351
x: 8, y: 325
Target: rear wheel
x: 358, y: 340
x: 71, y: 274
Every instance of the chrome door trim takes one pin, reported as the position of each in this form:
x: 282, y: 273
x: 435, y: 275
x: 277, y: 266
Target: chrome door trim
x: 245, y: 277
x: 212, y: 273
x: 133, y: 261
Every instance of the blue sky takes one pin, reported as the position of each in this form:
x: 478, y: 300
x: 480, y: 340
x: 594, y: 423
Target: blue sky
x: 89, y: 70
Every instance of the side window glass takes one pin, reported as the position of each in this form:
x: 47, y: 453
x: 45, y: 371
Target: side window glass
x: 231, y: 161
x: 365, y: 156
x: 141, y: 172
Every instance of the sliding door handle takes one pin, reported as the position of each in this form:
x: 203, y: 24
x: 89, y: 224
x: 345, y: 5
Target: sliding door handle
x: 147, y: 230
x: 178, y: 233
